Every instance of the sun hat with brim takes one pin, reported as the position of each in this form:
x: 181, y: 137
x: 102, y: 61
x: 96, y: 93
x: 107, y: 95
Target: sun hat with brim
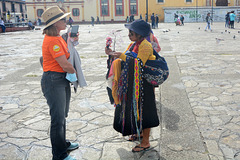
x: 140, y: 27
x: 52, y: 15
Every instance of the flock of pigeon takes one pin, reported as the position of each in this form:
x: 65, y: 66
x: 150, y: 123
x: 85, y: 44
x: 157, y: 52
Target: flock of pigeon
x: 226, y: 31
x: 218, y: 40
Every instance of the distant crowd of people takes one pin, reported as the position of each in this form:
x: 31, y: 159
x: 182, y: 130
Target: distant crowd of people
x: 154, y: 19
x: 70, y: 21
x: 230, y: 18
x: 18, y: 20
x: 178, y: 20
x: 130, y: 18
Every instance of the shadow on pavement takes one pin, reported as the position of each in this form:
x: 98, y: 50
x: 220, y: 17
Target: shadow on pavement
x: 151, y: 154
x: 167, y: 117
x: 170, y: 120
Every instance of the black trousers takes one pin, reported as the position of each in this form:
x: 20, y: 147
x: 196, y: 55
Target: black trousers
x: 231, y: 24
x: 56, y: 90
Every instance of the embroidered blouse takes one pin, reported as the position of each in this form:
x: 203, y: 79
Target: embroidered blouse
x: 144, y: 51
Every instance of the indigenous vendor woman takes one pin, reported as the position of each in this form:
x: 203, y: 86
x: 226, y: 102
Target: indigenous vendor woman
x: 134, y: 97
x: 55, y: 87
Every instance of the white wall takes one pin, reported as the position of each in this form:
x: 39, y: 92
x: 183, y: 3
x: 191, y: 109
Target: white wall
x: 90, y: 10
x: 191, y: 16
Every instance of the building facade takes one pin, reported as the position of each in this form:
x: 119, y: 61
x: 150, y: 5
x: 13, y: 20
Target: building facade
x: 115, y: 10
x: 160, y: 7
x: 13, y: 10
x: 193, y: 14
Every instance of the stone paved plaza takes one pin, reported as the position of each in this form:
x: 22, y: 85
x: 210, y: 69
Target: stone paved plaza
x: 199, y: 104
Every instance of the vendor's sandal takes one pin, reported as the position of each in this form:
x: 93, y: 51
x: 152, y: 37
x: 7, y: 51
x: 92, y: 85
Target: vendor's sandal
x: 140, y: 149
x: 134, y: 138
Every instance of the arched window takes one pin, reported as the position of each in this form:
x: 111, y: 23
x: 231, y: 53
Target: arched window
x: 222, y: 3
x: 119, y: 7
x: 160, y: 1
x: 21, y: 8
x: 39, y: 12
x: 104, y: 7
x: 12, y: 7
x: 75, y: 12
x: 133, y: 7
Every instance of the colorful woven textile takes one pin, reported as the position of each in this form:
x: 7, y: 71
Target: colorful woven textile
x: 137, y: 90
x: 136, y: 86
x: 122, y: 89
x: 122, y: 85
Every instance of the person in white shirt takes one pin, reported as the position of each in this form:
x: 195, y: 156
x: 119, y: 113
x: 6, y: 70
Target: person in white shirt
x: 2, y: 25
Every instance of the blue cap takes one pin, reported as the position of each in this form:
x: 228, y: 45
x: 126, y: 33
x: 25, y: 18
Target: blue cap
x: 140, y: 27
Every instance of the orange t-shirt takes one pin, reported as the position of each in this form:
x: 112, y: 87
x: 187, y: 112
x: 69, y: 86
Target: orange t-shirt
x: 52, y: 48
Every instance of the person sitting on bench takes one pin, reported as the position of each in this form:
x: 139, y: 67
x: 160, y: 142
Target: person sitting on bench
x: 30, y: 25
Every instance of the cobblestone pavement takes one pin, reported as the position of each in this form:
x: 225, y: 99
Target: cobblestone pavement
x: 199, y: 104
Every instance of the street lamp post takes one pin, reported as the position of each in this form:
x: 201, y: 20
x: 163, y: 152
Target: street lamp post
x: 147, y: 8
x: 197, y: 10
x: 212, y: 11
x: 13, y: 4
x: 103, y: 10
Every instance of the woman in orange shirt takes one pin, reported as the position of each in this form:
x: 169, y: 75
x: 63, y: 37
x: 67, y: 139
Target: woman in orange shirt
x: 55, y: 87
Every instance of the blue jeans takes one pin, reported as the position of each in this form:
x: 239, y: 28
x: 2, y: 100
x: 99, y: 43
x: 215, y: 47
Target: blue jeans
x: 3, y: 28
x: 208, y: 26
x: 56, y: 90
x: 153, y: 24
x: 227, y: 23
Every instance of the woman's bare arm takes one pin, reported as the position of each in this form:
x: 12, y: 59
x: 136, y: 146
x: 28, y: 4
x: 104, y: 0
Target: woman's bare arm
x: 66, y: 66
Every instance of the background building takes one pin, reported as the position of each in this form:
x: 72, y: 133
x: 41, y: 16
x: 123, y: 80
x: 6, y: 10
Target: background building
x: 168, y: 7
x: 13, y: 10
x: 193, y: 14
x: 110, y: 11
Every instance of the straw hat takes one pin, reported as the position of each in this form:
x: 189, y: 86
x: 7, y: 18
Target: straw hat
x: 52, y: 15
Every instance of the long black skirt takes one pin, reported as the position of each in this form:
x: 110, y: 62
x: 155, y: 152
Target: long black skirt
x: 149, y: 113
